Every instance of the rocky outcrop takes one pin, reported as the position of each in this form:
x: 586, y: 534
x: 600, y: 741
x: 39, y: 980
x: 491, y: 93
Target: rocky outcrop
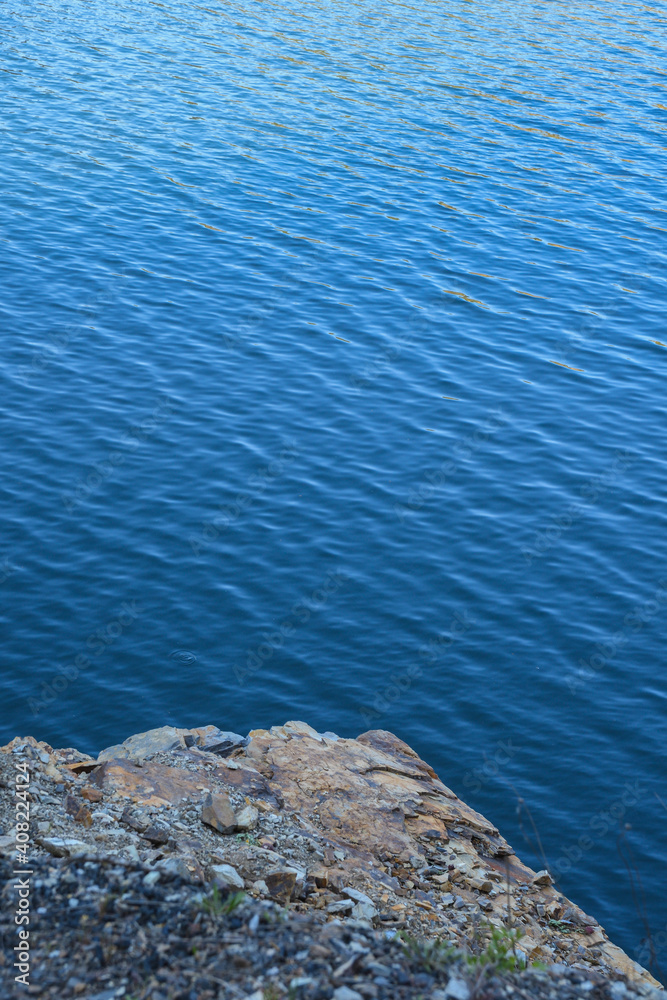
x: 357, y: 830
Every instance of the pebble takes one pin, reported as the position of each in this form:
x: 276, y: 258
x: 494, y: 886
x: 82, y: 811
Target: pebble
x: 340, y: 906
x: 247, y: 818
x: 457, y: 989
x: 345, y: 993
x: 226, y: 875
x: 217, y: 812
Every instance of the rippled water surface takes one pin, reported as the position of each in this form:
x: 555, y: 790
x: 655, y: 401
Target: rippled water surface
x: 333, y: 388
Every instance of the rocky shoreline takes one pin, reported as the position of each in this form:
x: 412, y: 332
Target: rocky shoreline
x: 196, y: 863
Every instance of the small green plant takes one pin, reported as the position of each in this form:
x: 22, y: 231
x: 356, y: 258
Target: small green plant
x: 500, y: 951
x: 216, y: 906
x: 564, y: 926
x: 431, y: 956
x: 247, y: 838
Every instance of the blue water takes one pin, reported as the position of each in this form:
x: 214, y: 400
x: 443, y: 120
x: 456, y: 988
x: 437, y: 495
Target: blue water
x: 333, y: 389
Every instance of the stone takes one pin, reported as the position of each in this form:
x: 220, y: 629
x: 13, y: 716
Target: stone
x: 78, y: 811
x: 345, y: 993
x: 483, y: 884
x: 217, y: 812
x: 213, y: 740
x: 92, y: 794
x: 226, y: 875
x: 142, y: 746
x: 341, y: 906
x: 457, y: 989
x: 320, y: 877
x: 281, y: 883
x: 542, y: 878
x: 364, y: 911
x: 135, y: 821
x: 356, y: 895
x: 247, y: 818
x: 65, y: 847
x: 156, y: 834
x: 150, y: 784
x: 7, y: 845
x: 175, y: 867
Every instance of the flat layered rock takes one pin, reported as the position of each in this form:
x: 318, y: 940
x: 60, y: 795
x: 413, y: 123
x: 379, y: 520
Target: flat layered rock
x: 348, y: 829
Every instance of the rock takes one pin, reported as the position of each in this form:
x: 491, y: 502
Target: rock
x: 156, y: 834
x: 7, y: 845
x: 91, y: 794
x: 65, y: 847
x: 152, y: 878
x: 213, y: 740
x: 320, y: 877
x: 247, y: 818
x: 135, y: 821
x: 345, y: 993
x: 364, y: 911
x: 280, y: 883
x: 150, y: 784
x: 357, y: 896
x: 142, y: 746
x: 175, y: 867
x: 542, y: 878
x: 76, y: 809
x: 260, y: 886
x: 457, y: 989
x: 341, y: 906
x: 226, y: 875
x: 483, y: 884
x: 218, y: 813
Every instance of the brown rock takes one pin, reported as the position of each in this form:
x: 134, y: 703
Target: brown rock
x: 91, y: 794
x: 134, y: 820
x: 156, y: 834
x: 320, y: 877
x: 77, y: 809
x: 281, y: 883
x: 218, y: 813
x: 151, y: 784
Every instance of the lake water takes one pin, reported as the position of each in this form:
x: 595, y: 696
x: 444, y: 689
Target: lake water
x: 333, y: 389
